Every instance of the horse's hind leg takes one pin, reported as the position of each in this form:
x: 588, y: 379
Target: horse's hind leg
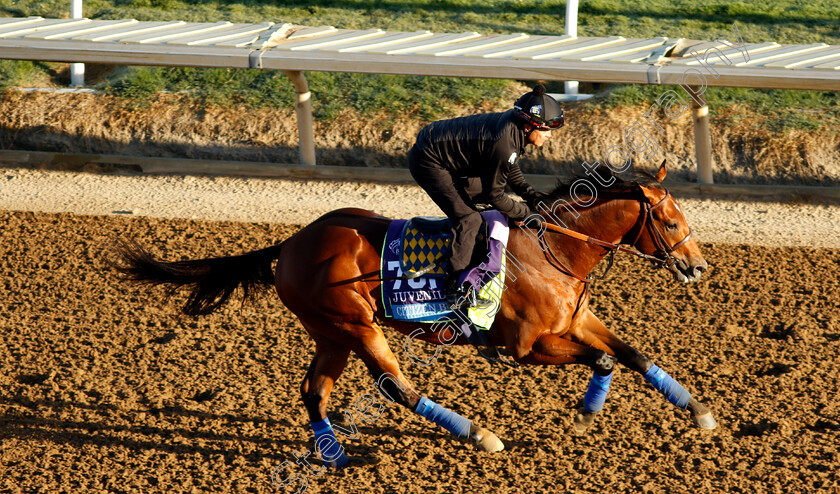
x: 393, y: 385
x: 327, y: 364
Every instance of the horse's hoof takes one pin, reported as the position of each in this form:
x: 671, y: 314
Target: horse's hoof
x: 339, y: 462
x: 701, y: 415
x: 705, y: 421
x: 487, y: 441
x: 583, y: 421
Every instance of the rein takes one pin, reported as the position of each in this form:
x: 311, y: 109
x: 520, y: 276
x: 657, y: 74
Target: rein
x: 646, y: 218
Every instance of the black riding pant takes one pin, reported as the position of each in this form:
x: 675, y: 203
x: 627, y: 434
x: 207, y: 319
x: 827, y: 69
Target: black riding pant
x: 452, y: 195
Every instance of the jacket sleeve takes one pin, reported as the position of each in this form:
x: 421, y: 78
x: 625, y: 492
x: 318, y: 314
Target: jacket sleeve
x: 501, y: 159
x: 517, y: 181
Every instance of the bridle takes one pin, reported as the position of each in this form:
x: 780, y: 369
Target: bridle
x: 645, y: 219
x: 659, y: 241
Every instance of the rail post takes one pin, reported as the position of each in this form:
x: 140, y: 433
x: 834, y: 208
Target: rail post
x: 77, y: 70
x: 571, y: 87
x: 702, y: 143
x: 303, y: 110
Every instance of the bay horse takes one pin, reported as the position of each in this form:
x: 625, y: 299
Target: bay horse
x: 327, y: 274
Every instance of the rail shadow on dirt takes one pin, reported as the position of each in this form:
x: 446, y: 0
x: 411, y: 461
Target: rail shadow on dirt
x: 106, y: 387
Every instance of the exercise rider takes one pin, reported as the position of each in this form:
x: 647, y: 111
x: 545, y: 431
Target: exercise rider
x: 466, y: 161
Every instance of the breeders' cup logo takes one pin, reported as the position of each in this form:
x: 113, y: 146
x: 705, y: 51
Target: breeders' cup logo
x: 394, y: 246
x: 536, y: 110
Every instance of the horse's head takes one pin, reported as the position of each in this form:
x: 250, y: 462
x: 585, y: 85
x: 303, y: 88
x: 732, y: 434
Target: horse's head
x: 663, y: 232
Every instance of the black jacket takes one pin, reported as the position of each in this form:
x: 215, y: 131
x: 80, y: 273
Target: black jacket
x: 486, y: 146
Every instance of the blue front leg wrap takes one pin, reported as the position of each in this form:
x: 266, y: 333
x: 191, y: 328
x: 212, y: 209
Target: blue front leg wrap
x: 596, y: 394
x: 327, y: 446
x: 449, y: 420
x: 666, y: 385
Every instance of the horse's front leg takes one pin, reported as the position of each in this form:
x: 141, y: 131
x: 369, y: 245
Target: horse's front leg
x: 551, y: 349
x: 591, y: 331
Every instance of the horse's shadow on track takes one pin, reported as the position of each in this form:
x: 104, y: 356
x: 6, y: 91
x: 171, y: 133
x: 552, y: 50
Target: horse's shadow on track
x: 31, y: 427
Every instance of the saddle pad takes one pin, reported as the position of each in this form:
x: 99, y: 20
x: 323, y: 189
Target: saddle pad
x: 422, y: 247
x: 424, y: 299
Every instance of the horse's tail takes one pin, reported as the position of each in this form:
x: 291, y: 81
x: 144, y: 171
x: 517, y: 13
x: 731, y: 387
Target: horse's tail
x: 211, y: 281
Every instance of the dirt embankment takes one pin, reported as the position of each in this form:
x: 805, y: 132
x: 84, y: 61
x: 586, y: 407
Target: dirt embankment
x: 171, y: 127
x: 105, y: 388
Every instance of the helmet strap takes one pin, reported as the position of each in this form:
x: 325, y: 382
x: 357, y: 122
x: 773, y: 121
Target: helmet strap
x: 529, y: 128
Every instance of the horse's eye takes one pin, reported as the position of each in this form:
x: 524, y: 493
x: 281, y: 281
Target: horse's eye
x: 671, y: 226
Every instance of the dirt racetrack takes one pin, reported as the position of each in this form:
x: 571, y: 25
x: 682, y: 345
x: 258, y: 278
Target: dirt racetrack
x: 105, y: 388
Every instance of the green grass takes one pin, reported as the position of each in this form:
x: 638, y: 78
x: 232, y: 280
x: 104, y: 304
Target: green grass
x: 783, y: 21
x: 426, y: 97
x: 16, y: 73
x: 781, y: 109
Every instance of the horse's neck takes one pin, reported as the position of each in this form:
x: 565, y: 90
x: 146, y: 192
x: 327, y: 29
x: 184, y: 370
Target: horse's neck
x: 607, y: 220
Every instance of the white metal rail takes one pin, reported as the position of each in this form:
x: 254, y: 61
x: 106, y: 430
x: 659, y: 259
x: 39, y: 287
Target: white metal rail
x: 295, y: 49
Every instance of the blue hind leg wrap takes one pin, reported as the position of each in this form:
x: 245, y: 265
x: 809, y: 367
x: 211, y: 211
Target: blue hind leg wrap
x: 327, y: 446
x: 449, y: 420
x: 596, y: 393
x: 666, y: 385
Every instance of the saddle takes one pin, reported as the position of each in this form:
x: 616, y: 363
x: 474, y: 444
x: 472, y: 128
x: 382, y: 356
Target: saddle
x: 426, y: 244
x: 413, y: 261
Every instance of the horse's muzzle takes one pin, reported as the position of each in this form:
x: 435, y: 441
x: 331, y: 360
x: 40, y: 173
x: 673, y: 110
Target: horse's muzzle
x: 688, y: 272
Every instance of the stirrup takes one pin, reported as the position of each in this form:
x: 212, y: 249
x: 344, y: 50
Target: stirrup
x: 458, y: 296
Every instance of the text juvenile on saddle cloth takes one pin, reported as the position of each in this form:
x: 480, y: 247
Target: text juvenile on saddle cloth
x: 423, y: 299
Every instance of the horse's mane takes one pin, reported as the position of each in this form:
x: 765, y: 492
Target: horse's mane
x: 622, y: 184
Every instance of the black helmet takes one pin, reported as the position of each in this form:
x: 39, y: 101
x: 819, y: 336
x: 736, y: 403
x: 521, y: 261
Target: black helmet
x: 540, y: 110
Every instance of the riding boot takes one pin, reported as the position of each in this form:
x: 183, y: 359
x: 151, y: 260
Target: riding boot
x: 460, y: 295
x: 455, y: 294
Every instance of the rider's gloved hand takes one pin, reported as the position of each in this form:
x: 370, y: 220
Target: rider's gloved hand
x: 533, y: 219
x: 533, y: 197
x: 529, y: 195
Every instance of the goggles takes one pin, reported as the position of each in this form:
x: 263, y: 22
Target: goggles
x: 554, y: 123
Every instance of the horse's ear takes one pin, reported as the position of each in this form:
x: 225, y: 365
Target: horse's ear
x: 660, y: 176
x: 651, y: 194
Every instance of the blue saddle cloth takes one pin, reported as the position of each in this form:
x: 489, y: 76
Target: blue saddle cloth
x: 411, y: 245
